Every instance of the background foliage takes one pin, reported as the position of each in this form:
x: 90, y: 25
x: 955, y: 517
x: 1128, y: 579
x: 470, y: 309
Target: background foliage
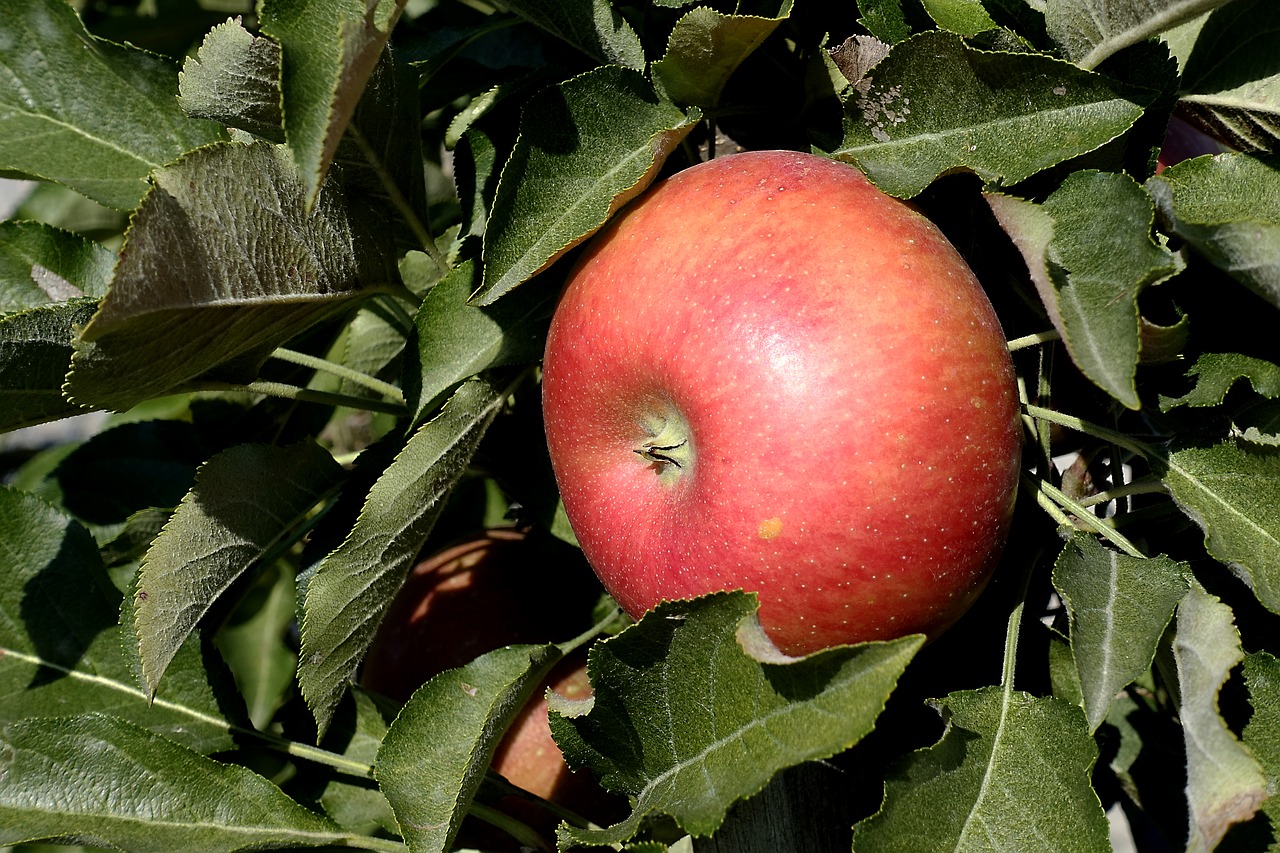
x: 304, y: 253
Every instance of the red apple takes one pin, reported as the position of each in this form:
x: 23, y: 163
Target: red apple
x: 767, y: 374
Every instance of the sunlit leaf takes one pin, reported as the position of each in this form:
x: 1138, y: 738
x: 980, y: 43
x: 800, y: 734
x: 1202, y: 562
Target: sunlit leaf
x: 705, y: 48
x: 935, y: 105
x: 95, y: 116
x: 1010, y: 773
x: 1089, y: 31
x: 1216, y: 373
x: 1225, y: 785
x: 234, y: 79
x: 965, y: 17
x: 592, y: 26
x: 714, y: 711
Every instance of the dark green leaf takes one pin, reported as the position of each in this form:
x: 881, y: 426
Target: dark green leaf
x: 253, y: 642
x: 1088, y: 31
x: 704, y: 50
x: 586, y: 148
x: 95, y: 116
x: 329, y: 49
x: 224, y: 262
x: 934, y: 105
x: 1225, y: 785
x: 965, y: 17
x: 61, y: 649
x: 1011, y: 773
x: 244, y: 503
x: 1090, y: 253
x: 140, y: 792
x: 592, y: 26
x: 40, y: 264
x: 1262, y: 733
x: 352, y: 586
x: 694, y: 709
x: 35, y: 353
x: 353, y: 802
x: 1228, y: 208
x: 1216, y: 373
x: 435, y: 755
x: 234, y: 79
x: 884, y: 20
x: 1119, y: 608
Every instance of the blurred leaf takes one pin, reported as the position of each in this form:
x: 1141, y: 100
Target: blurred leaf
x: 1233, y: 492
x: 435, y: 755
x: 352, y: 802
x: 1261, y: 734
x: 1090, y: 253
x: 1012, y: 772
x: 40, y: 264
x: 1216, y: 373
x: 162, y: 796
x: 934, y: 105
x: 1119, y: 608
x: 965, y: 17
x: 1228, y: 208
x: 695, y: 709
x: 592, y: 26
x: 329, y: 49
x: 245, y: 501
x: 349, y: 591
x: 61, y: 649
x: 1231, y: 79
x: 1088, y: 31
x: 252, y: 642
x: 223, y: 263
x: 35, y: 352
x: 705, y: 48
x: 95, y: 116
x: 1225, y: 785
x: 586, y: 148
x: 234, y: 79
x: 457, y: 340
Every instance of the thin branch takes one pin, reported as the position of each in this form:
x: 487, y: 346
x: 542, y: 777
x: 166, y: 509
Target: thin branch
x: 306, y: 395
x: 364, y: 380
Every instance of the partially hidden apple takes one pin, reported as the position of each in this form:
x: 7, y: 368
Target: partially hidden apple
x: 766, y: 374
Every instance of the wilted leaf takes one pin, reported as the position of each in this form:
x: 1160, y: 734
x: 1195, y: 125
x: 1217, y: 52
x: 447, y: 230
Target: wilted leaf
x: 1225, y: 785
x: 245, y: 502
x: 592, y: 26
x: 704, y: 50
x: 1228, y: 208
x: 1090, y: 253
x: 95, y: 116
x: 35, y: 351
x: 1233, y: 492
x: 1012, y: 772
x: 1231, y: 79
x: 694, y: 709
x: 586, y: 147
x: 224, y: 263
x: 1089, y: 31
x: 352, y: 586
x: 234, y: 79
x: 435, y: 755
x: 61, y: 649
x: 139, y: 792
x: 40, y: 264
x: 1216, y: 373
x: 934, y: 105
x: 1119, y: 607
x: 329, y: 49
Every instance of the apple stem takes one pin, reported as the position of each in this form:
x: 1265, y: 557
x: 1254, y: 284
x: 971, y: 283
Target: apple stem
x: 1033, y: 340
x: 662, y: 453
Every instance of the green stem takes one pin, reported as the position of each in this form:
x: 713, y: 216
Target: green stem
x: 519, y: 831
x: 364, y: 380
x: 314, y: 753
x: 398, y: 200
x: 1013, y: 628
x: 368, y: 842
x: 1033, y: 340
x: 568, y: 647
x: 1099, y: 432
x: 502, y: 784
x: 1098, y: 525
x: 305, y: 395
x: 1145, y: 486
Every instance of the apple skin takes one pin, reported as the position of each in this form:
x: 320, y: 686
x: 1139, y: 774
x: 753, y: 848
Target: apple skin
x: 767, y: 374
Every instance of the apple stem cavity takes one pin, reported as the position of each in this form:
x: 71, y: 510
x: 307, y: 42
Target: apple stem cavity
x: 668, y: 448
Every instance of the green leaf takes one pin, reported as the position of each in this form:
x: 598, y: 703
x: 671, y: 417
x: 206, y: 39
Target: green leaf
x: 592, y: 26
x: 435, y: 755
x: 457, y: 340
x: 704, y: 50
x: 1119, y: 608
x: 329, y: 49
x: 1090, y: 253
x: 1230, y: 81
x: 244, y: 503
x: 1261, y: 734
x: 964, y: 17
x: 1088, y: 31
x: 712, y: 710
x: 61, y: 649
x: 1012, y: 772
x: 35, y: 351
x: 1216, y: 373
x: 885, y: 20
x: 95, y: 116
x: 1225, y: 785
x: 223, y: 262
x: 253, y: 643
x: 586, y: 148
x: 358, y: 735
x: 1228, y: 208
x: 40, y: 264
x: 138, y: 791
x: 353, y: 585
x: 1233, y: 492
x: 935, y: 104
x: 234, y: 79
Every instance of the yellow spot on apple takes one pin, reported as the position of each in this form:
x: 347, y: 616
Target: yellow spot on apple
x: 770, y: 528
